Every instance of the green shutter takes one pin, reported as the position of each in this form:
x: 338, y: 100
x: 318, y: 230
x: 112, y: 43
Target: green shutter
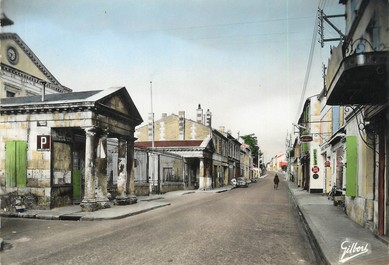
x: 352, y: 163
x: 21, y: 164
x: 10, y: 164
x: 16, y: 163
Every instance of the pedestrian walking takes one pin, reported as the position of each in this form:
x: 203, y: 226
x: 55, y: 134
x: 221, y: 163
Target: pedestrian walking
x: 276, y: 180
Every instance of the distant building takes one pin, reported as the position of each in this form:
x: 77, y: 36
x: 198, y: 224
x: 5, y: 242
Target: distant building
x: 211, y: 157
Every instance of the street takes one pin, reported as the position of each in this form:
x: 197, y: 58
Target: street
x: 254, y: 225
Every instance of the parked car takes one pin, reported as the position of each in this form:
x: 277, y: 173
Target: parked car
x: 239, y: 183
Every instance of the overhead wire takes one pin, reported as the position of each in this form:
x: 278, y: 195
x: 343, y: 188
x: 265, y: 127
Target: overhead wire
x: 310, y: 59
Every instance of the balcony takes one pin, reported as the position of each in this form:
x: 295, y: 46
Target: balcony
x: 359, y: 78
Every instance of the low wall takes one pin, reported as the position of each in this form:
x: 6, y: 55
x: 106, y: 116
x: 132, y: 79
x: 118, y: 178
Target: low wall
x: 142, y: 189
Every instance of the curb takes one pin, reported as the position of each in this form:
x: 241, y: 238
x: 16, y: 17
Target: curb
x: 311, y: 237
x: 88, y: 218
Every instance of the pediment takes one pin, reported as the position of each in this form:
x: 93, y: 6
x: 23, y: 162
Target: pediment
x: 18, y: 56
x: 116, y: 103
x: 120, y: 102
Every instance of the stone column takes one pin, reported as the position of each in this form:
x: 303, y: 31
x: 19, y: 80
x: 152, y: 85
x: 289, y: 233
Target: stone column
x: 201, y: 175
x: 130, y: 171
x: 101, y: 173
x: 89, y: 204
x: 186, y: 178
x: 121, y: 195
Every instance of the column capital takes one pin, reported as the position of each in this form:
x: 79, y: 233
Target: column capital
x: 90, y: 131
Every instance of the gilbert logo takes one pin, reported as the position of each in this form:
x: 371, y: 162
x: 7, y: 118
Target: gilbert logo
x: 351, y: 249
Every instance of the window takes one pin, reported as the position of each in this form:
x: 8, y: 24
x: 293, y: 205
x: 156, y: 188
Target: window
x: 169, y: 174
x: 16, y: 163
x: 10, y: 94
x: 62, y: 161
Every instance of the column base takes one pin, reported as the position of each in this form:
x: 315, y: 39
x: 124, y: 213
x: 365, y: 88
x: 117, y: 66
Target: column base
x: 89, y: 206
x: 132, y: 199
x: 104, y: 203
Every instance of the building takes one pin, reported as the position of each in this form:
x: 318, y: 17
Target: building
x: 310, y: 136
x: 357, y: 81
x: 246, y: 162
x: 59, y: 147
x: 22, y: 73
x: 54, y: 149
x: 211, y: 157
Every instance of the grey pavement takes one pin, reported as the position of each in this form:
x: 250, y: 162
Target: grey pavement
x: 338, y: 239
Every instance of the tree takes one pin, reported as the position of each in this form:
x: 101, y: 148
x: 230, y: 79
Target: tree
x: 252, y: 141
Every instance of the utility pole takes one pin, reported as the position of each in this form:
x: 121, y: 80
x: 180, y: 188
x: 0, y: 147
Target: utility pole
x: 152, y: 113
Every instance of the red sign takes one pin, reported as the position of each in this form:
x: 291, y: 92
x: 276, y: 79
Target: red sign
x: 43, y: 142
x: 315, y: 169
x: 327, y: 163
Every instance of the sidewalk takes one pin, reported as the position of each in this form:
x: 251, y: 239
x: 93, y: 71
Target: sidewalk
x: 73, y: 212
x: 338, y: 239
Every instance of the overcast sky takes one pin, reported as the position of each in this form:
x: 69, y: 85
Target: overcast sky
x: 244, y: 60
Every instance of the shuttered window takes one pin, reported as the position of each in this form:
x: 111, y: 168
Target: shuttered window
x: 16, y: 164
x: 352, y: 165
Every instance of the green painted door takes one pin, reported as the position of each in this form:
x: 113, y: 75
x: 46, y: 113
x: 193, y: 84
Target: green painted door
x: 76, y: 184
x: 16, y: 164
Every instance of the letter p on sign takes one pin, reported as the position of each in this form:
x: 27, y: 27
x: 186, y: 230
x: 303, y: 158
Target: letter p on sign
x: 43, y: 142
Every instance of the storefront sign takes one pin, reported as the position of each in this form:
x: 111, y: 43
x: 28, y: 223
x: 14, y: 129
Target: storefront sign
x: 306, y: 138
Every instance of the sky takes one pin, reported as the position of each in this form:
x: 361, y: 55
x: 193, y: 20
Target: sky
x: 246, y: 61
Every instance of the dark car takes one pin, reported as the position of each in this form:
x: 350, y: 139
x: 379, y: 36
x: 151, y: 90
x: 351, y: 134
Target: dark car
x: 239, y: 183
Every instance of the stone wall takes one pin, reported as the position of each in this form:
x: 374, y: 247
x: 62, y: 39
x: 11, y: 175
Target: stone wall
x: 142, y: 189
x: 172, y: 186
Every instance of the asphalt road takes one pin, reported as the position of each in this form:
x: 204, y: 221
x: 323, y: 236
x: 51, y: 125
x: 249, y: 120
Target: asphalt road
x: 254, y: 225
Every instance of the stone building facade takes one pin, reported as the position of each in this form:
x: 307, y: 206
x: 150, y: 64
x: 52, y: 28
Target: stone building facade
x: 54, y: 152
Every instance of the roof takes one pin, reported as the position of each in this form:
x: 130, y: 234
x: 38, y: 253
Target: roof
x: 50, y: 98
x: 61, y: 98
x: 76, y: 99
x: 176, y: 143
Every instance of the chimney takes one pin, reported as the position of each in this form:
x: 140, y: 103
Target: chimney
x: 181, y: 125
x: 208, y: 119
x: 222, y: 129
x: 164, y: 115
x: 43, y: 90
x: 199, y: 114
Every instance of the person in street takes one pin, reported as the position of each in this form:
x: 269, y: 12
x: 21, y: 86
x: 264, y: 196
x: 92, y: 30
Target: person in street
x: 276, y: 181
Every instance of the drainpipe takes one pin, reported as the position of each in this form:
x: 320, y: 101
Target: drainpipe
x: 43, y: 90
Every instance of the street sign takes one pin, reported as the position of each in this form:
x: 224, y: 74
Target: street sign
x: 315, y: 169
x: 43, y: 142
